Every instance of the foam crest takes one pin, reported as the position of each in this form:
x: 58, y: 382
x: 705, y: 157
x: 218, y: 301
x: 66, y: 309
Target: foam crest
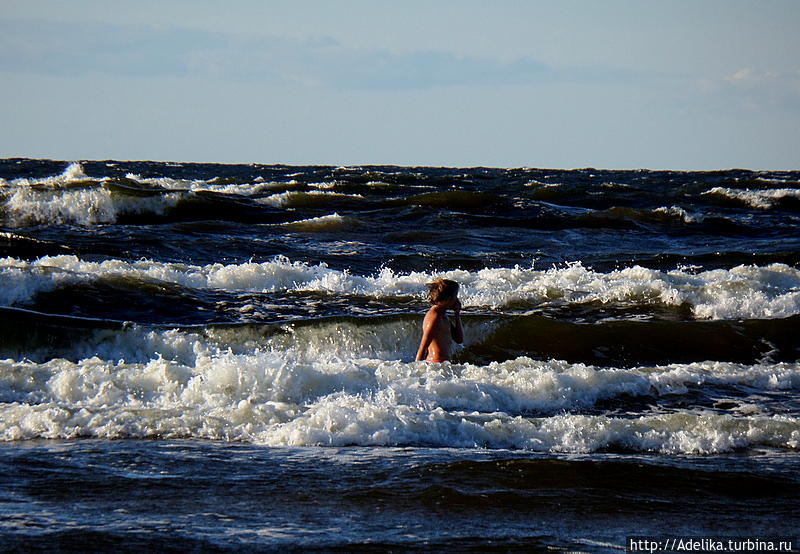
x: 85, y: 206
x: 292, y: 199
x: 330, y: 222
x: 73, y: 197
x: 210, y: 185
x: 741, y: 292
x: 275, y: 397
x: 328, y: 185
x: 761, y: 199
x: 679, y: 213
x: 346, y: 420
x: 74, y: 173
x: 524, y: 385
x: 749, y: 292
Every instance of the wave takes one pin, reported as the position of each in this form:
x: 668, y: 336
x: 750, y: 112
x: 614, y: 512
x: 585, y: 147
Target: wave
x: 347, y: 420
x: 39, y: 337
x: 679, y: 213
x: 85, y: 206
x: 312, y: 198
x: 632, y: 342
x: 761, y: 199
x: 340, y: 341
x: 456, y: 200
x: 73, y: 174
x: 614, y: 216
x: 509, y: 482
x: 742, y: 292
x: 29, y: 248
x: 72, y: 197
x: 543, y: 216
x: 331, y: 336
x: 115, y: 202
x: 272, y: 396
x: 326, y: 223
x: 216, y: 185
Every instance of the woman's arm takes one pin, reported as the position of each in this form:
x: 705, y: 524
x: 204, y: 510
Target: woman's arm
x: 427, y: 326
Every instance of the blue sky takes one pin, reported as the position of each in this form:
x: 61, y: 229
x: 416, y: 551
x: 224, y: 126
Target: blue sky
x: 701, y: 84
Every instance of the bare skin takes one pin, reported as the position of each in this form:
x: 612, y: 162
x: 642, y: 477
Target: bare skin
x: 438, y: 333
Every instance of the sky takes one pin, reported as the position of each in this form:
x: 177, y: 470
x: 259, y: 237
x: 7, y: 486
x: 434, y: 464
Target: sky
x: 679, y: 84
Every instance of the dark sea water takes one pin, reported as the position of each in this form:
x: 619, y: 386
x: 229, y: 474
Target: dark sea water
x: 201, y: 357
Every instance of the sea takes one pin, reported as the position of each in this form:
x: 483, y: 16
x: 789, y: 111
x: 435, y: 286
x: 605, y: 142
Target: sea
x: 200, y: 357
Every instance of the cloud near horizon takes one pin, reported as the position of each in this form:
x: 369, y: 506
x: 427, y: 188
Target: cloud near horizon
x: 749, y: 77
x: 754, y: 89
x: 46, y: 48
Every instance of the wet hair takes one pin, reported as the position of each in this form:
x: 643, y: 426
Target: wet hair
x: 441, y: 290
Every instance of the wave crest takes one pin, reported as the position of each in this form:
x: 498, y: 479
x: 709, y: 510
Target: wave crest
x: 268, y: 398
x: 761, y: 199
x: 749, y: 292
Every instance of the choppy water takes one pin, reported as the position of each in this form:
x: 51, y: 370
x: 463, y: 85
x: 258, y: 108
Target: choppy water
x: 246, y: 336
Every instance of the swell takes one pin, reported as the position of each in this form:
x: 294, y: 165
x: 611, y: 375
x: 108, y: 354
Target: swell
x: 632, y: 343
x: 592, y: 485
x: 615, y: 343
x: 14, y: 245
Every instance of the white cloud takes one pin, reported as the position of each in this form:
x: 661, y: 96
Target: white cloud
x: 749, y: 77
x: 755, y: 89
x: 745, y: 75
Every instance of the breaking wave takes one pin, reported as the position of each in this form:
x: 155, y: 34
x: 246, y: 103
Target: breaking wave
x: 749, y: 292
x: 316, y: 385
x: 761, y: 199
x: 75, y: 198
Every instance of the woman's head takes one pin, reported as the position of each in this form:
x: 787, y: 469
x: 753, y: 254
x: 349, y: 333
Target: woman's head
x: 442, y: 290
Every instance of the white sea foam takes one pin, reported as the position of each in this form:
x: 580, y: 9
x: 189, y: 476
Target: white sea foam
x: 542, y: 185
x: 74, y: 173
x: 326, y: 185
x: 776, y: 180
x: 88, y: 206
x: 346, y: 420
x: 680, y: 213
x: 330, y: 222
x: 293, y: 198
x: 338, y: 382
x: 313, y: 389
x: 753, y: 292
x: 762, y: 199
x: 72, y: 197
x: 210, y: 185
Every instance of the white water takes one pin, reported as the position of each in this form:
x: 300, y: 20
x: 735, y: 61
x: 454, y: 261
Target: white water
x: 680, y: 213
x: 751, y: 292
x: 330, y: 222
x: 338, y: 384
x: 211, y: 185
x: 300, y: 198
x: 74, y: 197
x: 761, y: 199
